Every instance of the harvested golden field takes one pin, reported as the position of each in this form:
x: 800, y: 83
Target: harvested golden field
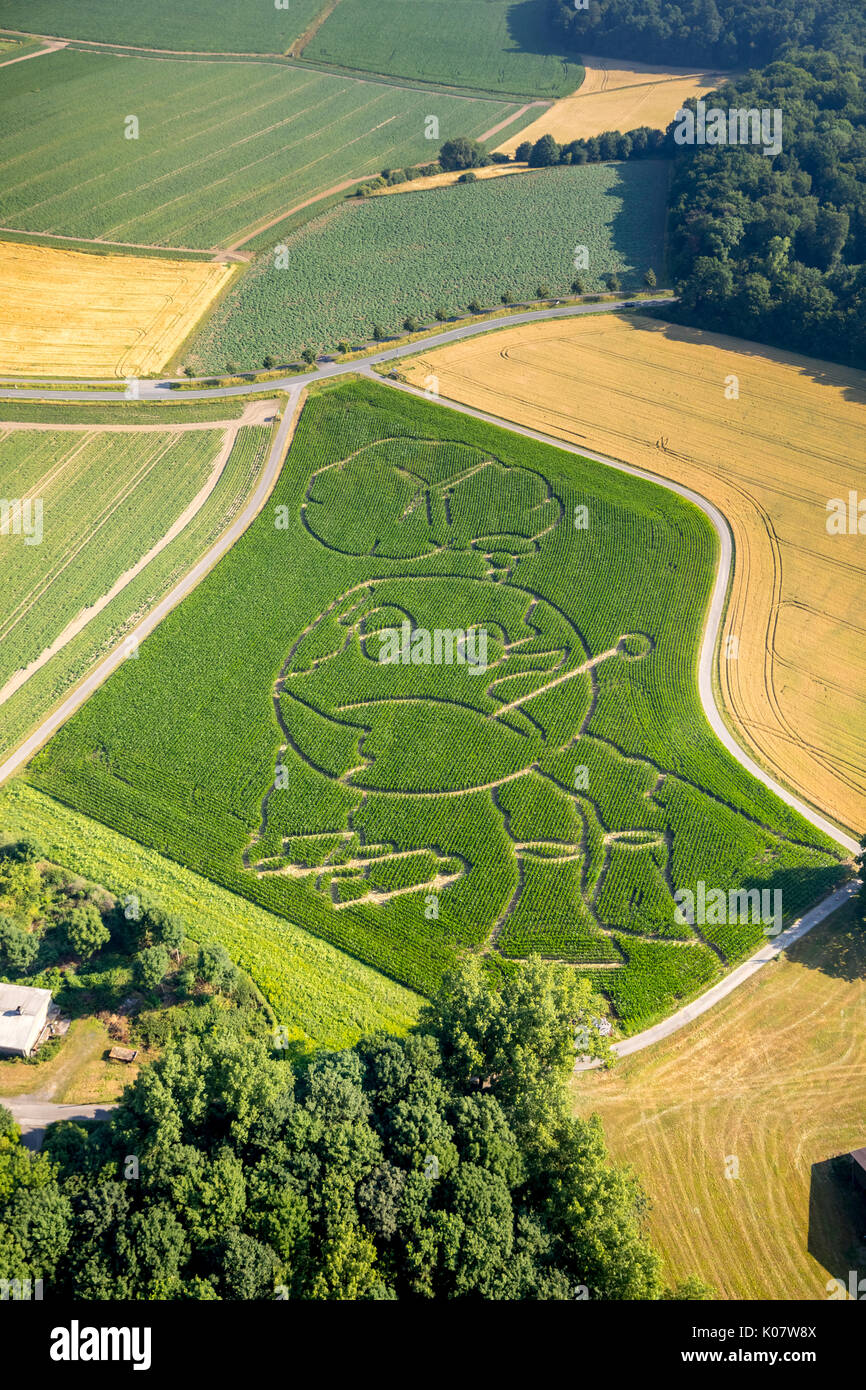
x: 769, y: 1087
x: 614, y: 97
x: 793, y: 678
x: 70, y: 313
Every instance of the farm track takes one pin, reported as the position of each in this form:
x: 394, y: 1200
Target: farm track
x: 52, y: 46
x: 160, y: 391
x: 100, y: 673
x: 77, y: 624
x: 286, y: 60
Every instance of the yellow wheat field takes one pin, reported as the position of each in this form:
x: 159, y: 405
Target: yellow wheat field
x: 614, y: 97
x: 734, y: 1123
x: 792, y: 661
x: 71, y: 313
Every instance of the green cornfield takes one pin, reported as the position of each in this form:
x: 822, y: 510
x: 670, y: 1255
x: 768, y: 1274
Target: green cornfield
x: 494, y: 45
x: 550, y: 795
x: 409, y: 254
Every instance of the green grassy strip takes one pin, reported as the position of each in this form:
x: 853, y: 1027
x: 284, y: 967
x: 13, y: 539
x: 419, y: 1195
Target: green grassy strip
x: 95, y: 249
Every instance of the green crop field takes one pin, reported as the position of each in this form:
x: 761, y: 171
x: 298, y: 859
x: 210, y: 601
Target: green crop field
x: 487, y: 45
x: 552, y: 800
x: 108, y: 498
x: 381, y: 259
x: 244, y: 26
x: 105, y: 499
x: 222, y: 147
x: 496, y: 45
x: 176, y: 412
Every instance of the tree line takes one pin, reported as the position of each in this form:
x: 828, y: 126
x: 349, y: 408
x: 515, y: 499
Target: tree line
x: 775, y: 249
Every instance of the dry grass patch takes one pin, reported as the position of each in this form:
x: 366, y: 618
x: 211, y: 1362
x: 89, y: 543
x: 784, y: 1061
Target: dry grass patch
x: 655, y: 395
x: 613, y: 97
x: 774, y: 1078
x: 69, y: 313
x: 490, y: 171
x: 79, y: 1073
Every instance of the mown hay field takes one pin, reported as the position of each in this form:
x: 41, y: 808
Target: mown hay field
x: 124, y: 513
x: 68, y: 313
x: 319, y: 994
x: 733, y: 1126
x: 552, y: 801
x: 377, y: 261
x: 793, y: 673
x: 223, y: 149
x: 616, y: 96
x: 492, y: 45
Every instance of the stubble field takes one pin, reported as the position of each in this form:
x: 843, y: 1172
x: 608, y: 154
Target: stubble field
x: 793, y: 677
x: 733, y: 1126
x: 67, y: 313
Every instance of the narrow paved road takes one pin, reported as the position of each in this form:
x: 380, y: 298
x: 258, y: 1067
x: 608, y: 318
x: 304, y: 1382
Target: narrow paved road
x: 743, y: 972
x: 715, y: 611
x: 34, y: 1115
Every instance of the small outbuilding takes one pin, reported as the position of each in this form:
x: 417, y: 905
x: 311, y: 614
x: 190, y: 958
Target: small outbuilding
x: 858, y: 1168
x: 23, y: 1019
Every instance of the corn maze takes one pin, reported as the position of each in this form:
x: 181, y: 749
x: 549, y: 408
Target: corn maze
x: 338, y: 744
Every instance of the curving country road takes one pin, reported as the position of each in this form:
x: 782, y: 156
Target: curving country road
x: 715, y: 611
x: 294, y: 386
x: 166, y: 391
x: 738, y: 976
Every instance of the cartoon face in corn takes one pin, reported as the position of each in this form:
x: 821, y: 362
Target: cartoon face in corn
x: 440, y: 683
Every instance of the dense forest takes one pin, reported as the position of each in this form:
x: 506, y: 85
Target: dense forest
x: 724, y: 33
x: 775, y: 249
